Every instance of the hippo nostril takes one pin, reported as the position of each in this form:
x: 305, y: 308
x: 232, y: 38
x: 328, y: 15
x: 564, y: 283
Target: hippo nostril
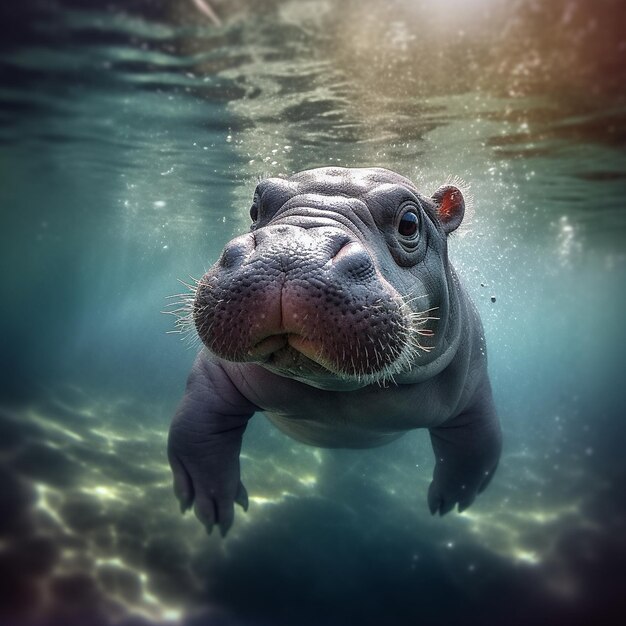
x: 338, y: 241
x: 236, y: 251
x: 354, y: 261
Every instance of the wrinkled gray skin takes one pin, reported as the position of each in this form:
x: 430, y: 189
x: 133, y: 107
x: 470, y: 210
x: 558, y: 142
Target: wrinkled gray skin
x: 341, y: 318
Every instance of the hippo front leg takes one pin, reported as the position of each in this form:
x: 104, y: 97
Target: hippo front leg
x: 467, y: 450
x: 204, y: 444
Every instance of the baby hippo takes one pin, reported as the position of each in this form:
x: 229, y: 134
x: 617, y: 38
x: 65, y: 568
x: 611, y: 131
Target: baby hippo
x: 339, y: 316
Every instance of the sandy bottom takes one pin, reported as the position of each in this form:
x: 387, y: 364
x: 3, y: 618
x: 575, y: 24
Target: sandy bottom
x: 90, y: 532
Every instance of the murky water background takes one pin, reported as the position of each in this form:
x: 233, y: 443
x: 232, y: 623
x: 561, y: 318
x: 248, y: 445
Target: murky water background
x: 131, y: 138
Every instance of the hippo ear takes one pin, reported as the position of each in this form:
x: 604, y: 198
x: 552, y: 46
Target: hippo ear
x: 450, y: 207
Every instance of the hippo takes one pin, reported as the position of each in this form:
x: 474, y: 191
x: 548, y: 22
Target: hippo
x: 340, y: 317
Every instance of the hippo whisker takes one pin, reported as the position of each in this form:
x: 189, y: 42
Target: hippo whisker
x: 417, y: 319
x: 376, y: 353
x: 411, y: 299
x: 185, y: 326
x: 192, y: 288
x: 185, y: 312
x: 402, y: 359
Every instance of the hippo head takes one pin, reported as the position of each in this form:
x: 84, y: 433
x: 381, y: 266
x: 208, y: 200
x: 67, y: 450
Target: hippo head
x: 342, y: 281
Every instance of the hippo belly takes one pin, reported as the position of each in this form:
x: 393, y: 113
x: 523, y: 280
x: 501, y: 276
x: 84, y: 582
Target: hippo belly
x: 331, y: 435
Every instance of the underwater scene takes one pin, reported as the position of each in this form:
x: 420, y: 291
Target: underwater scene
x: 132, y: 136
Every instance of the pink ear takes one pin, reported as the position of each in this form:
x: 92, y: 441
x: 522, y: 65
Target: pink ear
x: 450, y: 207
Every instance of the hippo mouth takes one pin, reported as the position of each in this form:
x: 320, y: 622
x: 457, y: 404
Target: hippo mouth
x: 286, y: 354
x: 292, y: 354
x: 367, y: 341
x: 273, y: 347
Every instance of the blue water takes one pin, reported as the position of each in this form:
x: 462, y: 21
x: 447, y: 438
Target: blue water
x: 131, y: 139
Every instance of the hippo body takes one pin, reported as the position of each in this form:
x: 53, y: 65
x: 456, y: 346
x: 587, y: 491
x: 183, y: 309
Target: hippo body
x: 339, y: 316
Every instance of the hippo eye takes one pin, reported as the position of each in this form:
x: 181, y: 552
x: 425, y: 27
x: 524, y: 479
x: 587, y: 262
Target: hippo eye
x: 254, y: 209
x: 408, y: 224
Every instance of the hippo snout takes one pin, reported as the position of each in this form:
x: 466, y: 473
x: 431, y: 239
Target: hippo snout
x: 289, y: 243
x: 301, y: 298
x: 299, y: 249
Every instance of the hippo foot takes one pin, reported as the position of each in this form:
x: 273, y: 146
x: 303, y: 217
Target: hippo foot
x: 467, y: 451
x: 446, y: 491
x: 207, y: 478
